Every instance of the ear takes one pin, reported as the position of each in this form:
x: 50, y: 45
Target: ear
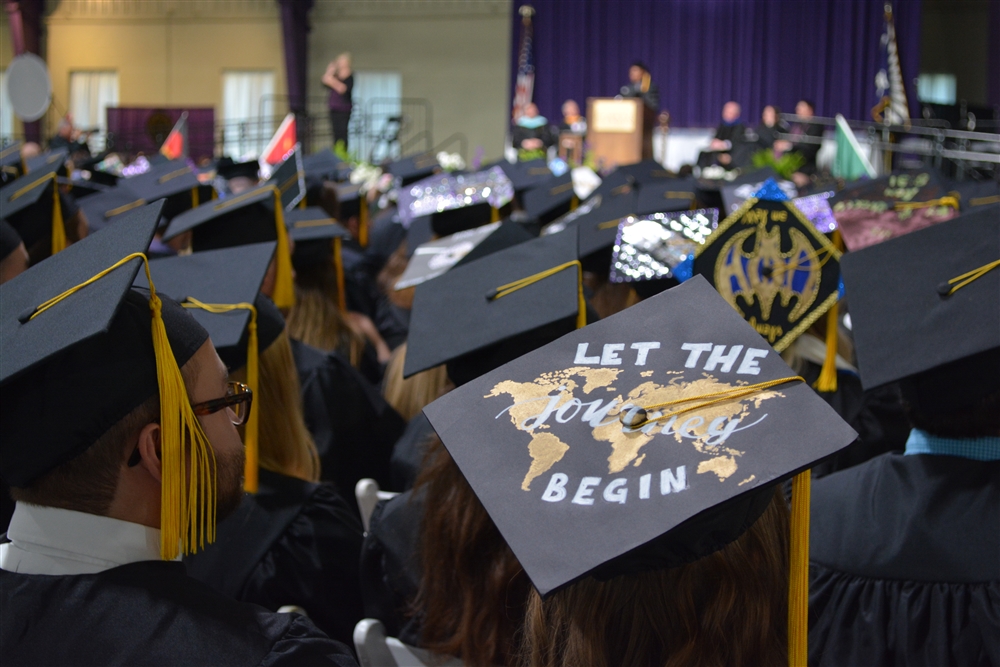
x: 149, y: 450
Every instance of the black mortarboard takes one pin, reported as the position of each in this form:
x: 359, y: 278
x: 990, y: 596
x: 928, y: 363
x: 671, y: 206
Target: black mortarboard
x: 227, y: 168
x: 456, y: 202
x: 411, y: 169
x: 772, y: 265
x: 905, y: 322
x: 599, y: 228
x: 326, y: 166
x: 526, y: 175
x: 289, y: 178
x: 974, y: 194
x: 614, y: 182
x: 10, y: 156
x: 29, y: 204
x: 10, y: 240
x: 547, y: 202
x: 741, y: 188
x: 174, y: 177
x: 318, y: 241
x: 574, y: 492
x: 434, y: 258
x: 51, y: 159
x: 649, y: 247
x: 666, y: 194
x: 104, y: 208
x: 472, y: 318
x: 349, y: 200
x: 872, y: 211
x: 645, y: 173
x: 313, y: 223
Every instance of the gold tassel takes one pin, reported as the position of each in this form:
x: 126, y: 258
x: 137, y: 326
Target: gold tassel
x: 338, y: 266
x: 573, y: 203
x: 798, y: 577
x: 510, y: 288
x: 494, y: 214
x: 827, y: 380
x: 59, y: 242
x: 363, y: 221
x: 194, y: 197
x: 284, y: 290
x: 302, y: 203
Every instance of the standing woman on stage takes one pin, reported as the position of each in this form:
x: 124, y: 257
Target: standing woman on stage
x: 339, y: 78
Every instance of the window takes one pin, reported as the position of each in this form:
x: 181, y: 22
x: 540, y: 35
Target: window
x: 248, y: 110
x: 377, y: 101
x: 937, y: 88
x: 90, y: 94
x: 6, y: 112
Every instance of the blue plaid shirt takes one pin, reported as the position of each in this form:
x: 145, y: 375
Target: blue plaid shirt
x: 978, y: 449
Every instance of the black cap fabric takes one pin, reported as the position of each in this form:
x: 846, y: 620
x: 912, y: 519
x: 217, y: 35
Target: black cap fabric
x: 647, y: 172
x: 290, y: 179
x: 325, y: 166
x: 649, y: 247
x: 10, y: 156
x: 224, y: 223
x: 598, y: 229
x: 975, y: 194
x: 49, y: 160
x: 173, y: 177
x: 228, y: 168
x: 876, y: 210
x: 77, y: 368
x: 526, y: 175
x: 773, y: 266
x: 743, y: 187
x: 413, y: 168
x: 903, y: 319
x: 10, y: 240
x: 27, y: 204
x: 666, y: 194
x: 454, y: 316
x: 547, y: 202
x: 313, y: 223
x: 104, y: 208
x: 574, y: 492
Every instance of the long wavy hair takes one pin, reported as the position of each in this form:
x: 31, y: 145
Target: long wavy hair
x: 286, y: 446
x: 473, y: 590
x: 728, y: 608
x: 316, y: 319
x: 409, y: 396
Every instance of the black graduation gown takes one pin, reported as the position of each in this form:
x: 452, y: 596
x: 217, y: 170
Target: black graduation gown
x: 905, y: 555
x: 408, y: 454
x: 390, y: 565
x: 293, y: 543
x: 148, y: 613
x: 354, y: 428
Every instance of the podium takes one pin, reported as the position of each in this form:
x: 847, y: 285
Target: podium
x: 619, y: 131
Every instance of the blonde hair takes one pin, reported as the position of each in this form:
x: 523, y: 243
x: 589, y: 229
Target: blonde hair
x: 411, y: 395
x: 316, y: 320
x: 286, y: 446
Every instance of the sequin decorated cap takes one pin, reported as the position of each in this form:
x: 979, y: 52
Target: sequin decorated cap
x: 576, y: 492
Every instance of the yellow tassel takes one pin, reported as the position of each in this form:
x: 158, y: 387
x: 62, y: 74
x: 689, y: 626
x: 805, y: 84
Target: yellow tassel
x: 827, y: 380
x: 494, y: 214
x: 363, y: 221
x: 302, y: 203
x: 511, y: 287
x: 338, y: 266
x: 573, y: 203
x: 59, y: 242
x: 798, y: 578
x: 284, y: 290
x: 194, y: 197
x: 215, y: 195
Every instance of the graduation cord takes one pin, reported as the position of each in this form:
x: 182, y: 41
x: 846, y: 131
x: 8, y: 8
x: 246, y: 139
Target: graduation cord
x: 124, y: 208
x: 251, y: 438
x: 510, y: 288
x: 59, y: 242
x: 827, y: 380
x: 911, y: 205
x: 637, y: 417
x: 798, y: 571
x: 958, y: 282
x: 188, y: 467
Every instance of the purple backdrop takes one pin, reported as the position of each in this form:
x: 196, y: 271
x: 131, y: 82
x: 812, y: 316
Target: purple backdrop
x: 139, y: 129
x: 295, y: 39
x: 704, y: 52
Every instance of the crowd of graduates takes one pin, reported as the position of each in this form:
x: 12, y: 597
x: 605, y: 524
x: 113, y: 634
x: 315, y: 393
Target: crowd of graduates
x: 622, y: 418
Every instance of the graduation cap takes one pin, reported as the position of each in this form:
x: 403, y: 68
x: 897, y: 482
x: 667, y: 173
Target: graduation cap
x: 82, y: 350
x: 349, y: 201
x: 10, y: 162
x: 103, y: 208
x: 974, y: 194
x: 816, y: 209
x: 526, y: 175
x: 666, y: 194
x: 771, y: 264
x: 547, y: 202
x: 647, y: 172
x: 926, y: 305
x: 325, y: 166
x: 478, y: 316
x: 457, y: 201
x: 598, y: 229
x: 872, y: 211
x: 645, y: 441
x: 289, y: 178
x: 411, y: 169
x: 10, y: 240
x: 255, y: 216
x: 434, y: 258
x: 228, y: 168
x: 649, y: 247
x: 745, y: 185
x: 220, y: 290
x: 173, y: 180
x: 51, y: 159
x: 318, y: 240
x: 31, y: 204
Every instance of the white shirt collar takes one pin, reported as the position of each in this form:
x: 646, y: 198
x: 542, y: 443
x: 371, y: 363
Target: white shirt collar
x: 48, y: 540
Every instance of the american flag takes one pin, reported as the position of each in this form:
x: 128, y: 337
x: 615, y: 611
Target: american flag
x: 525, y: 85
x: 890, y: 92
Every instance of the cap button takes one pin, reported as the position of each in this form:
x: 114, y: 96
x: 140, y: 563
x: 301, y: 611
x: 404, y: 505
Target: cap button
x: 944, y: 289
x: 633, y: 418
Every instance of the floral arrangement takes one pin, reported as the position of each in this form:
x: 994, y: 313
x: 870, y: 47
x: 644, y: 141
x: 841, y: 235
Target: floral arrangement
x: 450, y: 161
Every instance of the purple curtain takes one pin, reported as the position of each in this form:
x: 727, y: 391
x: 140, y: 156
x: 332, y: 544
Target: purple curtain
x: 295, y: 36
x: 702, y: 53
x: 143, y: 129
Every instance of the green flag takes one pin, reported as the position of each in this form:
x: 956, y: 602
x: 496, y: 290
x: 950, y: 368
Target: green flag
x: 851, y: 162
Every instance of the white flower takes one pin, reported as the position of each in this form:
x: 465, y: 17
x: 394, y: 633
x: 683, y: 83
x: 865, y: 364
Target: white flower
x: 450, y: 161
x: 367, y: 175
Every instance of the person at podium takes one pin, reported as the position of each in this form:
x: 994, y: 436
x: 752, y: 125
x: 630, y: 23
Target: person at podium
x: 640, y: 84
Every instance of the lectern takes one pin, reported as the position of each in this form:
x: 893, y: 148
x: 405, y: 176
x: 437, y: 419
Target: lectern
x: 619, y: 131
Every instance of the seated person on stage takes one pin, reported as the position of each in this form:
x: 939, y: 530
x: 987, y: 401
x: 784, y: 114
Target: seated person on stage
x: 905, y: 547
x: 640, y: 84
x: 532, y: 135
x: 572, y: 120
x: 805, y: 141
x: 771, y: 125
x: 101, y: 430
x: 729, y: 138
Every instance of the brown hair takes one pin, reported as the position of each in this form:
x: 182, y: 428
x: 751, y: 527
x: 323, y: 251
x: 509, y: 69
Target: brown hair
x: 409, y: 396
x: 728, y: 608
x: 608, y: 297
x: 316, y: 318
x: 286, y: 446
x: 391, y: 273
x: 473, y: 590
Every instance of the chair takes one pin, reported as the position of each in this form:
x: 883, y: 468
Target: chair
x: 368, y: 495
x: 376, y: 650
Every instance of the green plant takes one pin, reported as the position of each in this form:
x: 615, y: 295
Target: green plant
x: 785, y: 166
x: 340, y: 150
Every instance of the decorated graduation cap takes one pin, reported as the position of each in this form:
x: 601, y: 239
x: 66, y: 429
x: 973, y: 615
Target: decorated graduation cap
x: 413, y: 168
x: 290, y: 179
x: 32, y: 205
x: 551, y: 200
x: 256, y: 216
x: 478, y: 316
x: 434, y: 258
x: 456, y: 202
x: 876, y: 210
x: 598, y: 228
x: 644, y: 441
x: 318, y: 241
x: 816, y: 209
x: 926, y: 306
x: 82, y: 350
x: 745, y: 185
x: 220, y: 289
x: 666, y: 194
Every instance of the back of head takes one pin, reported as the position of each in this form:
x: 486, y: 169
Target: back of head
x: 960, y: 399
x: 409, y: 396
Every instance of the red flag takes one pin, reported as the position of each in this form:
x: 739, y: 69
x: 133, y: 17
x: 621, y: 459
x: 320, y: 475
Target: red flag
x: 176, y: 144
x: 281, y: 144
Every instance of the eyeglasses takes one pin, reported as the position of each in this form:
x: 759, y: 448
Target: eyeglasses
x: 238, y: 399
